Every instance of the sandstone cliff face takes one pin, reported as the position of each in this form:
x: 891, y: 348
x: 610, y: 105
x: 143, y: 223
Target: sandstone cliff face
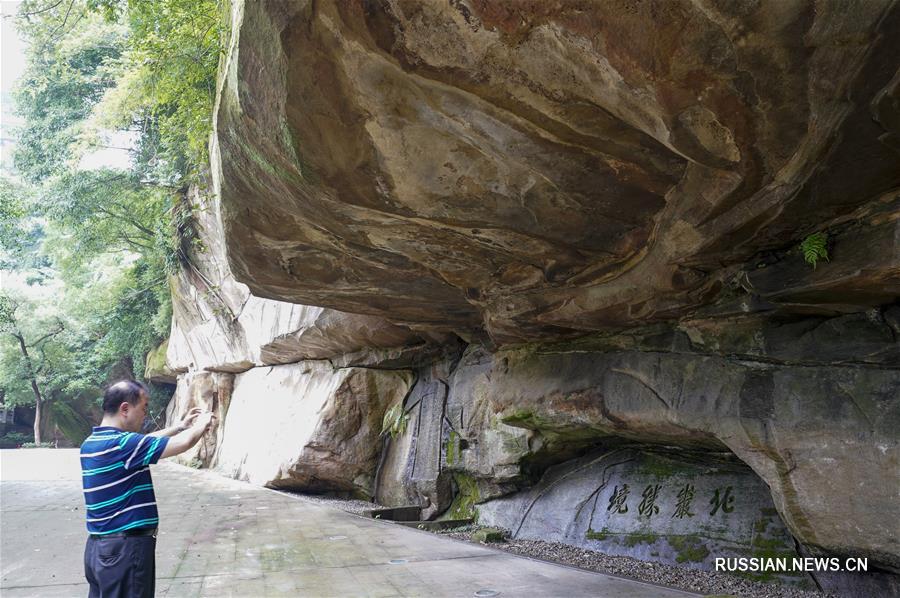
x: 277, y: 374
x: 529, y: 169
x: 218, y: 325
x: 604, y: 202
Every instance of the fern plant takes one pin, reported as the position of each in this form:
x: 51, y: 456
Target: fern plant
x: 395, y: 420
x: 815, y: 248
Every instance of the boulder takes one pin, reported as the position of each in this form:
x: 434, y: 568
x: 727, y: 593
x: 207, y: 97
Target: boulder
x: 156, y: 369
x: 309, y: 427
x: 210, y: 391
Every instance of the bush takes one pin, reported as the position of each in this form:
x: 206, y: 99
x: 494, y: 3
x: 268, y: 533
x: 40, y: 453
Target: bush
x: 37, y: 445
x: 14, y: 439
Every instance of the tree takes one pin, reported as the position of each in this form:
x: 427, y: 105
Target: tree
x: 102, y: 241
x: 168, y: 85
x: 72, y: 59
x: 30, y: 367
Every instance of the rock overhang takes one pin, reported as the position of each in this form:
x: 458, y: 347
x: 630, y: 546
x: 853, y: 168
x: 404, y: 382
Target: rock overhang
x: 516, y: 172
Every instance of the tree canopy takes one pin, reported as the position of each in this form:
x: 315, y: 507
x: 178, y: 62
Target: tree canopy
x: 87, y: 245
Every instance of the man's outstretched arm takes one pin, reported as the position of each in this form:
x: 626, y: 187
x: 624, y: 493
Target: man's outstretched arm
x: 181, y: 426
x: 182, y: 441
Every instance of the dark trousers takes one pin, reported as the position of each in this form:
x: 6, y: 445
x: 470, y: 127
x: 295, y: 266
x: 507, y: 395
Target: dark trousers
x: 121, y: 567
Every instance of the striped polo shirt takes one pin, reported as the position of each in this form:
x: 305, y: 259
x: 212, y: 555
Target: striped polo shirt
x: 115, y: 473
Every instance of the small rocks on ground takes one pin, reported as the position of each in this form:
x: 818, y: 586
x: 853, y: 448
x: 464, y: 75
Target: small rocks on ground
x: 694, y: 580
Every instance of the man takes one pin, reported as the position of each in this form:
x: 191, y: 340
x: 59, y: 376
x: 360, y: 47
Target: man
x: 120, y: 556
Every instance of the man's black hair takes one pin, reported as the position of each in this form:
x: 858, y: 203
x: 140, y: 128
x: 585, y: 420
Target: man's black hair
x: 121, y: 392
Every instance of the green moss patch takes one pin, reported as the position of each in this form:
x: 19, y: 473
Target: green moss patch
x: 635, y: 539
x: 660, y: 468
x: 452, y: 448
x: 595, y: 535
x: 467, y: 496
x: 689, y: 549
x: 487, y: 535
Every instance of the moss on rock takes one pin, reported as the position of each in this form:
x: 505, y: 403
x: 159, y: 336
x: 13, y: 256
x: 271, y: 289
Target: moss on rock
x: 467, y: 496
x: 595, y: 535
x: 690, y: 549
x: 635, y: 539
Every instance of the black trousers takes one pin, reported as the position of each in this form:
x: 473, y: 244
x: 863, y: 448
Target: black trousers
x: 121, y: 567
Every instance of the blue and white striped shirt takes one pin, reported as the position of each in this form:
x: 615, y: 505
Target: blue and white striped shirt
x: 115, y: 473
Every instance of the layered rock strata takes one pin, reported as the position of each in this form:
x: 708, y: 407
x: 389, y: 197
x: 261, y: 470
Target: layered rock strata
x: 815, y: 416
x: 310, y: 419
x: 218, y: 325
x: 606, y: 202
x: 528, y: 170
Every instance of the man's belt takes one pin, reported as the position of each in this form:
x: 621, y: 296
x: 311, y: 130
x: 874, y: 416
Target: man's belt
x: 138, y: 531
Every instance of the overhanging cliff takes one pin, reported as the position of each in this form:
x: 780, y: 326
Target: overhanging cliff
x: 526, y: 170
x: 605, y: 202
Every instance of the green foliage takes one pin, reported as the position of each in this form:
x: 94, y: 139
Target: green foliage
x: 20, y: 234
x: 72, y: 58
x: 169, y: 74
x: 815, y: 247
x: 88, y: 251
x: 14, y: 439
x: 105, y: 210
x: 37, y: 445
x: 395, y: 421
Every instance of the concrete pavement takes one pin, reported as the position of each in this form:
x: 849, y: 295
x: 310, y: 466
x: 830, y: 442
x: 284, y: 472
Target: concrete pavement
x: 221, y: 537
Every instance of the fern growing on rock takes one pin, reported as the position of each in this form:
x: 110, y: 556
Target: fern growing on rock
x: 815, y: 247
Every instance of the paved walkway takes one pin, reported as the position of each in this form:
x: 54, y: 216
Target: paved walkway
x: 220, y: 537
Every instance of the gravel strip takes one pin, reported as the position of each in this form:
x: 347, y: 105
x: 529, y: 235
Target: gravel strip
x: 350, y: 505
x: 694, y: 580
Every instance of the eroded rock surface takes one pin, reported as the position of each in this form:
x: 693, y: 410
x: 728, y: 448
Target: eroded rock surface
x: 218, y: 325
x: 529, y: 169
x: 309, y: 427
x: 623, y: 184
x: 156, y: 368
x: 210, y: 391
x: 810, y: 405
x: 659, y: 505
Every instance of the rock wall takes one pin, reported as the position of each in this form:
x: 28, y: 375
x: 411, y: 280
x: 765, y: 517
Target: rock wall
x: 307, y: 426
x: 218, y: 325
x: 293, y: 410
x: 210, y: 391
x: 815, y: 430
x: 660, y: 505
x: 527, y: 170
x: 558, y: 237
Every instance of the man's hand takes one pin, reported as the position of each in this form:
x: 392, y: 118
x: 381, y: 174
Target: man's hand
x: 185, y: 424
x: 188, y: 419
x: 201, y: 422
x: 204, y: 420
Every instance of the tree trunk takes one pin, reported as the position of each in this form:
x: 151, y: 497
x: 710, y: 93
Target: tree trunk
x: 38, y: 400
x: 37, y: 412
